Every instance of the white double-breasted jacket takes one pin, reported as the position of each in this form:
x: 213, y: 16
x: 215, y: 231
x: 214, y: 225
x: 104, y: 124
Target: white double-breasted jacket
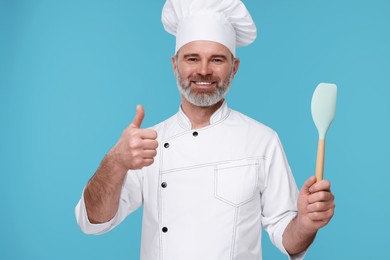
x: 209, y: 192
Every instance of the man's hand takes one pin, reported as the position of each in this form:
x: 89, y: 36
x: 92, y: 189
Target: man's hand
x: 315, y: 205
x: 315, y: 210
x: 136, y: 148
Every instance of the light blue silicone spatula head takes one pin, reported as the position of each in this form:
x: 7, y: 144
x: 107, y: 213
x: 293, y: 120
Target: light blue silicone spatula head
x: 323, y: 107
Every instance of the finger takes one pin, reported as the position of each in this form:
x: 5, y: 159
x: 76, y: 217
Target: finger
x: 148, y: 161
x: 148, y: 134
x: 320, y: 196
x: 149, y: 144
x: 322, y: 185
x: 320, y: 207
x: 322, y: 215
x: 149, y: 154
x: 139, y: 117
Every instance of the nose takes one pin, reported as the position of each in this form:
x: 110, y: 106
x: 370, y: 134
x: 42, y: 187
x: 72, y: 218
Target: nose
x: 204, y: 68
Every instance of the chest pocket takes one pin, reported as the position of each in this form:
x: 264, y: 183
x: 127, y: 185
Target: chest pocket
x: 236, y: 182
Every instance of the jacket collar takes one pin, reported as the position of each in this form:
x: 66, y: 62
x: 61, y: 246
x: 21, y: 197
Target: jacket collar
x: 218, y: 115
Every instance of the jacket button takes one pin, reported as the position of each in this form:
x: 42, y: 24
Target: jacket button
x: 195, y: 134
x: 166, y: 145
x: 164, y: 184
x: 165, y: 229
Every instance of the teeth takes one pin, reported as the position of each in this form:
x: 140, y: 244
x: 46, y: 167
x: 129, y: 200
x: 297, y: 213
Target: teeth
x: 203, y: 83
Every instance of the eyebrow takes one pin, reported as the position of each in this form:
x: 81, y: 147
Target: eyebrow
x: 221, y: 56
x: 190, y: 55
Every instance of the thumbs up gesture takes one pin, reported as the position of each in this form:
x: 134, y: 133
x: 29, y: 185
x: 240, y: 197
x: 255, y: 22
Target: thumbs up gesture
x: 136, y: 148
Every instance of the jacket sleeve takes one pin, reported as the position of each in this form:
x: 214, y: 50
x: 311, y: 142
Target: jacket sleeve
x: 131, y: 199
x: 279, y: 196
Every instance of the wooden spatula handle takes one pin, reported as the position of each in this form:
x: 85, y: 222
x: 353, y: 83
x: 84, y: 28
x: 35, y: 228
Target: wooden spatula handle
x: 320, y: 159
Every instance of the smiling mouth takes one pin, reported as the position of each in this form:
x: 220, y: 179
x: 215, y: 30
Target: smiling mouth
x: 203, y: 84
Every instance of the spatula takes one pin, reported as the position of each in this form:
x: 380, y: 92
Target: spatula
x: 323, y: 108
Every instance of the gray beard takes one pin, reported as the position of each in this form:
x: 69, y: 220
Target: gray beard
x: 203, y: 99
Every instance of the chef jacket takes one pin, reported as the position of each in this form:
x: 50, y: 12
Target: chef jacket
x: 209, y: 192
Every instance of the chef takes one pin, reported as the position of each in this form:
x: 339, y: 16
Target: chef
x: 208, y: 178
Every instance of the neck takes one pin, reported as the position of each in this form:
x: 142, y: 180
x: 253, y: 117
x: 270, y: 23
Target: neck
x: 199, y: 116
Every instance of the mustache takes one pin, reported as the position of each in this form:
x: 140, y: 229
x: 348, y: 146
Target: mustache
x: 200, y: 78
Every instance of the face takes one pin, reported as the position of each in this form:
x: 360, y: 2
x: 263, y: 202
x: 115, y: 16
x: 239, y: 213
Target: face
x: 204, y: 71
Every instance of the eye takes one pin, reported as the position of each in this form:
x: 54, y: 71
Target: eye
x: 192, y: 59
x: 217, y: 60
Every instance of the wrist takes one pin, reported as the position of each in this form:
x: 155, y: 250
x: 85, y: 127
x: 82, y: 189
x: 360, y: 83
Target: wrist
x: 304, y: 227
x: 113, y: 163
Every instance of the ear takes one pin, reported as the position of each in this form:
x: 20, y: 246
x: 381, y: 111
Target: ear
x: 236, y: 64
x: 174, y: 64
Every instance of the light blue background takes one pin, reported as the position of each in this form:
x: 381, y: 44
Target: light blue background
x: 71, y: 73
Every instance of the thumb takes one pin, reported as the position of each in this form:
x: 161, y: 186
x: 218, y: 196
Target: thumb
x: 139, y: 117
x: 308, y: 183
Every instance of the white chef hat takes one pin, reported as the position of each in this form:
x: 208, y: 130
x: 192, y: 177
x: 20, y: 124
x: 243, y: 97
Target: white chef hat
x: 224, y: 21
